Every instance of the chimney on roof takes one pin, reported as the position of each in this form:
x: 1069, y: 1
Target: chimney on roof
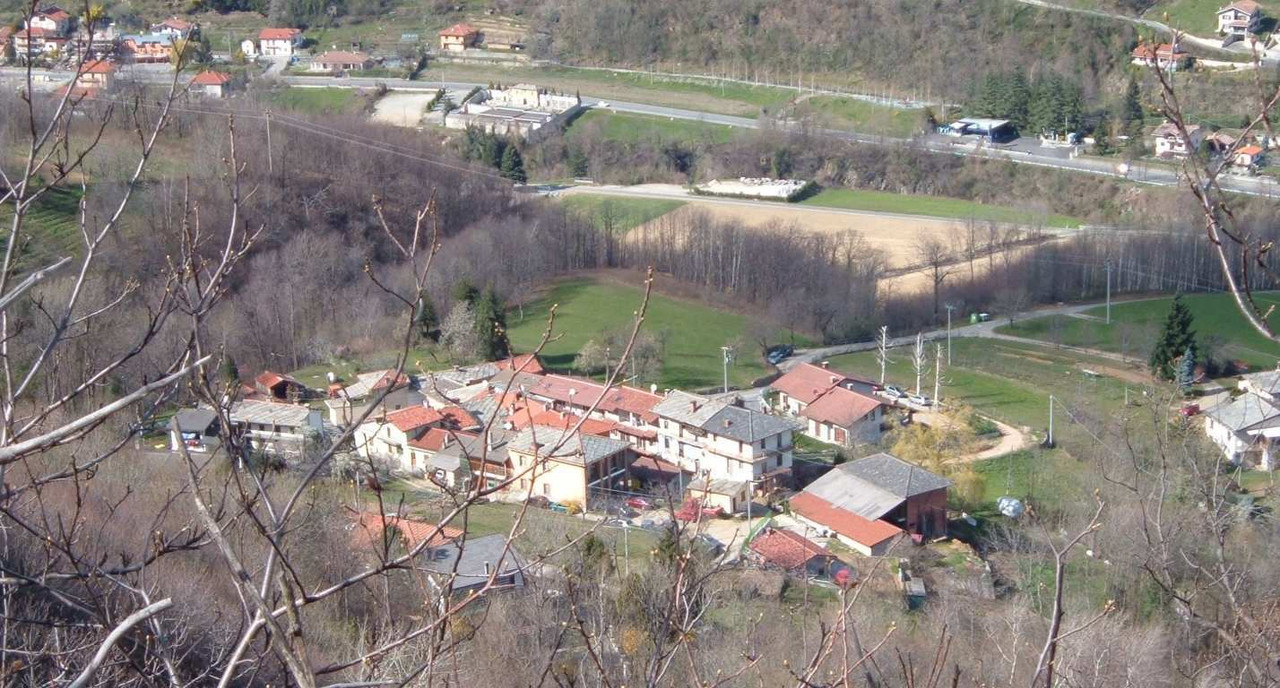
x: 653, y: 386
x: 825, y: 364
x: 693, y: 405
x: 486, y: 569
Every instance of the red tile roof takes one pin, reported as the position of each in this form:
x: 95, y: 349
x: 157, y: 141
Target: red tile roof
x: 436, y: 438
x: 341, y: 57
x: 176, y: 23
x: 98, y: 67
x: 414, y: 418
x: 5, y: 33
x: 458, y: 418
x: 460, y: 31
x: 786, y: 549
x: 279, y: 34
x: 564, y: 421
x: 841, y: 407
x: 856, y: 528
x: 209, y: 78
x: 1249, y: 150
x: 369, y: 527
x: 806, y: 382
x: 55, y: 14
x: 267, y: 379
x: 585, y: 393
x: 525, y: 363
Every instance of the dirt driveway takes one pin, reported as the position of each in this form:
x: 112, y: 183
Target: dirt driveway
x: 1011, y: 438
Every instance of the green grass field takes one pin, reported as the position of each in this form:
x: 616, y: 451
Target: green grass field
x: 1198, y: 17
x: 53, y: 221
x: 692, y: 333
x: 1005, y: 380
x: 617, y: 213
x: 315, y: 100
x: 932, y: 206
x: 863, y: 116
x: 633, y: 128
x: 1136, y: 325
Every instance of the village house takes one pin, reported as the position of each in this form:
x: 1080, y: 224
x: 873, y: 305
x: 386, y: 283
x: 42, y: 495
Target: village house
x: 1169, y: 142
x: 340, y: 61
x: 1239, y: 19
x: 276, y: 42
x: 275, y: 428
x: 346, y: 403
x: 1166, y: 56
x: 6, y: 43
x: 195, y: 428
x: 795, y: 554
x: 95, y: 75
x: 174, y: 28
x: 870, y: 503
x: 630, y: 409
x: 844, y: 417
x: 566, y: 466
x: 97, y: 44
x: 803, y: 384
x: 51, y: 19
x: 36, y: 43
x: 1247, y: 159
x: 459, y: 37
x: 211, y: 84
x: 280, y: 387
x: 378, y: 531
x: 390, y: 437
x: 462, y: 565
x: 151, y: 48
x: 1247, y: 428
x: 718, y: 440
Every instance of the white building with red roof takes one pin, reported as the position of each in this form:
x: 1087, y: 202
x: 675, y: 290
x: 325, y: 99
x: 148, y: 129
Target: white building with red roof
x: 212, y: 84
x: 1239, y: 19
x: 393, y: 436
x: 52, y: 19
x: 279, y: 42
x: 844, y: 417
x: 174, y: 27
x: 803, y: 384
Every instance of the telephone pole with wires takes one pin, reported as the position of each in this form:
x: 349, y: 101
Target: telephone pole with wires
x: 1108, y: 291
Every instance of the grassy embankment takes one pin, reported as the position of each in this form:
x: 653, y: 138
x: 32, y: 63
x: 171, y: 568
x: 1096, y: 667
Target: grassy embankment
x: 692, y: 333
x: 1135, y: 326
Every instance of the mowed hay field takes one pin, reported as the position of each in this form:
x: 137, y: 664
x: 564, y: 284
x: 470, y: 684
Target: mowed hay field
x: 895, y: 234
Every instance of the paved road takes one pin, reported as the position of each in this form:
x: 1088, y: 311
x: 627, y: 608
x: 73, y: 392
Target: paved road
x: 983, y: 329
x: 1020, y: 153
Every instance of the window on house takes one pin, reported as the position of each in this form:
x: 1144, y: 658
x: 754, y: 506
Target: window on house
x: 546, y: 488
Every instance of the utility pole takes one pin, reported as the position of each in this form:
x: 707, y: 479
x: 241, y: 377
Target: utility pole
x: 724, y: 350
x: 937, y: 373
x: 949, y: 308
x: 1108, y: 291
x: 1050, y: 442
x: 270, y: 167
